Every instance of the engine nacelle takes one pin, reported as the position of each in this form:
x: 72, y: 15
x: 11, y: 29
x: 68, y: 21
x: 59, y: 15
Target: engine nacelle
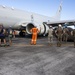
x: 27, y: 26
x: 43, y: 28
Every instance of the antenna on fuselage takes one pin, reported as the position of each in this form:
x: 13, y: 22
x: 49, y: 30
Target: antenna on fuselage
x: 32, y: 18
x: 3, y: 6
x: 12, y: 8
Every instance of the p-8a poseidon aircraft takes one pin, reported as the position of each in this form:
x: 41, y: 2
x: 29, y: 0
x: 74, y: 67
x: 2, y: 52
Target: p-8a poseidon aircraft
x: 24, y: 21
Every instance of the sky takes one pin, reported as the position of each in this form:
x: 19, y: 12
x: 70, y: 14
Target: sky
x: 44, y: 7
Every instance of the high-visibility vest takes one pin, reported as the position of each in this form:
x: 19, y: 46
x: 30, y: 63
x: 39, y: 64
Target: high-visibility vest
x: 34, y: 30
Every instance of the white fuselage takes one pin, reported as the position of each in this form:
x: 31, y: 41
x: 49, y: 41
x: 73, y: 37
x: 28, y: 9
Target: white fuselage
x: 16, y: 18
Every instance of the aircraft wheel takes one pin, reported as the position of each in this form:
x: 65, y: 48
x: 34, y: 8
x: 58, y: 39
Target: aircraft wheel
x: 22, y: 34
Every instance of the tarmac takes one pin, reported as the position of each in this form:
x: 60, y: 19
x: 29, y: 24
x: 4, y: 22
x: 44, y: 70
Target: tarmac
x: 22, y: 58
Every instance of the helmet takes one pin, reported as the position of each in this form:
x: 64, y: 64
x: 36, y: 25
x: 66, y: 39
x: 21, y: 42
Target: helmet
x: 66, y: 23
x: 59, y: 25
x: 50, y: 26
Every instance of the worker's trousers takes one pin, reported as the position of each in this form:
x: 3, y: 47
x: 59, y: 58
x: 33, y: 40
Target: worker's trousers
x: 59, y: 40
x: 50, y: 39
x: 34, y: 39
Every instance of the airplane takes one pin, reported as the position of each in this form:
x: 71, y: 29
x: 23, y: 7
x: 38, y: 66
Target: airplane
x: 24, y: 21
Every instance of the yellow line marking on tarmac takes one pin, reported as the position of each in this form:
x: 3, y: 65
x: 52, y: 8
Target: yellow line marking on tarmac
x: 22, y: 45
x: 39, y: 45
x: 67, y: 44
x: 64, y: 45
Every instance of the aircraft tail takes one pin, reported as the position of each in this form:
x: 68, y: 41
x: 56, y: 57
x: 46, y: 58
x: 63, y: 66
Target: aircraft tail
x: 58, y: 13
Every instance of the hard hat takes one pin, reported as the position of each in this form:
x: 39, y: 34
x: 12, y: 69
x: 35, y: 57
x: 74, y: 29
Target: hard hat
x: 10, y: 27
x: 50, y: 26
x: 59, y: 25
x: 66, y: 23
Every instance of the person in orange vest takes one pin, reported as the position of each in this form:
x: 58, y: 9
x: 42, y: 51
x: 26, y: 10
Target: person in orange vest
x: 34, y: 32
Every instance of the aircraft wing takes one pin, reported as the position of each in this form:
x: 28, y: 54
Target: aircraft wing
x: 62, y: 22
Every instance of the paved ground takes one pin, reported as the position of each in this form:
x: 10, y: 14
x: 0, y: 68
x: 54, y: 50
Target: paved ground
x: 41, y: 59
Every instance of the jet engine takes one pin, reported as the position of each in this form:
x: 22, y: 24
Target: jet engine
x: 26, y: 27
x: 43, y: 28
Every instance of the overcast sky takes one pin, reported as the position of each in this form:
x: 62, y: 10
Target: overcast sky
x: 44, y: 7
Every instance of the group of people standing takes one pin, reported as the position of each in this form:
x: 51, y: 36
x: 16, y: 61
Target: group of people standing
x: 61, y: 33
x: 5, y: 33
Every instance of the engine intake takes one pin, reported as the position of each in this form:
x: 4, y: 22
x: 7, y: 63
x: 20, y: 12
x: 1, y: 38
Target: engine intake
x: 29, y: 27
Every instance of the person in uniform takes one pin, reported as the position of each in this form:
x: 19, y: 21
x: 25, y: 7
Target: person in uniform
x: 2, y: 34
x: 59, y: 33
x: 10, y: 35
x: 34, y: 32
x: 65, y: 33
x: 50, y: 35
